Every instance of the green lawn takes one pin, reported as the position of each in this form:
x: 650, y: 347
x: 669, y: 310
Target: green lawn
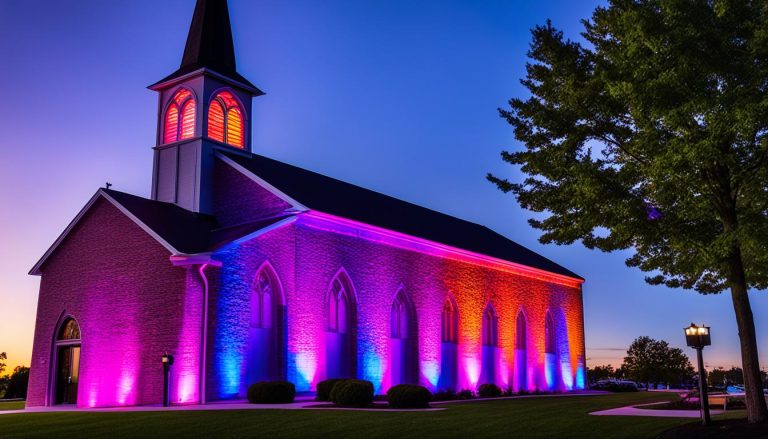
x: 545, y: 417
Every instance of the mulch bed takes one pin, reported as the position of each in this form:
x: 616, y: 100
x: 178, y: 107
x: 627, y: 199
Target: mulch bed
x: 726, y: 429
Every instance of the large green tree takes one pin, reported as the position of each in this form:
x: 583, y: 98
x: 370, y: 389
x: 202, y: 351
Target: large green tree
x: 653, y: 361
x: 652, y: 135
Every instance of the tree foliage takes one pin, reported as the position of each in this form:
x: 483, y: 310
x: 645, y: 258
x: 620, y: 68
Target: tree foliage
x: 3, y: 356
x: 653, y: 361
x: 652, y: 135
x: 599, y: 373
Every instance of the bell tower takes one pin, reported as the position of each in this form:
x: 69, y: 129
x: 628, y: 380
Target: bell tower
x: 203, y: 106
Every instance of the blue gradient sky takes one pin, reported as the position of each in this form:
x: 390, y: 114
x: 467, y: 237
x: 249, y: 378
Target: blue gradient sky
x: 396, y: 96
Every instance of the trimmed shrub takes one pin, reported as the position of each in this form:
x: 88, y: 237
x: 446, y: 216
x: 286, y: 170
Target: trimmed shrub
x: 408, y: 396
x: 352, y: 393
x: 324, y: 388
x: 489, y: 391
x: 465, y: 394
x: 271, y: 392
x: 444, y: 395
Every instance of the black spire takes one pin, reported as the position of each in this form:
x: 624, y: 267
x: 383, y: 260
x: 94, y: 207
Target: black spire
x: 209, y: 44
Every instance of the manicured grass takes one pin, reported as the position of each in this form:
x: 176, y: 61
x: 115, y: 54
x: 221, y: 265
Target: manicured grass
x: 11, y: 405
x: 541, y: 417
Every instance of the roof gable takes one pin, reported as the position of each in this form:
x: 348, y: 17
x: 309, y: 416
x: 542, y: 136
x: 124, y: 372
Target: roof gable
x: 314, y: 191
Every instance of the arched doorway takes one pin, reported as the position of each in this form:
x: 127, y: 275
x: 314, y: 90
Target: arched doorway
x: 67, y: 373
x: 551, y: 369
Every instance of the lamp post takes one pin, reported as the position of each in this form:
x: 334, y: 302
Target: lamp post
x: 167, y: 360
x: 697, y: 337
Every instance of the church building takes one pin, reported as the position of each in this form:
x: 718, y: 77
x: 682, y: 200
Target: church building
x: 246, y: 269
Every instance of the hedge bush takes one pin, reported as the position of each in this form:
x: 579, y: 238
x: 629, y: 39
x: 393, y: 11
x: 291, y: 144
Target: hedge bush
x: 271, y: 392
x: 489, y: 391
x: 352, y: 393
x: 324, y: 388
x: 408, y: 396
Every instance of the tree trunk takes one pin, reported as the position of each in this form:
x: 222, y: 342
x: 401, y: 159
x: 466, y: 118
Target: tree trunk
x: 753, y: 385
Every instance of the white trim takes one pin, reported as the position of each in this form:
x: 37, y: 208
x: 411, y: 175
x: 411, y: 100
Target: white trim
x: 204, y: 71
x: 257, y: 233
x: 295, y: 205
x: 181, y: 260
x: 35, y: 271
x: 139, y: 223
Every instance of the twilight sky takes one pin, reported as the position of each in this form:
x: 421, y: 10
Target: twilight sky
x: 396, y: 96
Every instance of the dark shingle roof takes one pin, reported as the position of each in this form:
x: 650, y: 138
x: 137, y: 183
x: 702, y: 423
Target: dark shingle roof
x: 186, y: 231
x: 328, y: 195
x: 209, y: 44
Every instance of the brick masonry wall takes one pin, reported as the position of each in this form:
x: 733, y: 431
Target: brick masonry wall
x: 238, y: 199
x: 377, y: 272
x: 131, y: 305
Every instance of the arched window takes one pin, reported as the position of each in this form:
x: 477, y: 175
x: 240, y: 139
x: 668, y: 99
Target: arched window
x: 69, y: 330
x: 340, y: 346
x: 449, y: 322
x: 399, y: 318
x: 490, y: 327
x: 549, y: 334
x: 520, y: 339
x: 338, y: 308
x: 225, y: 120
x: 263, y: 295
x: 179, y: 117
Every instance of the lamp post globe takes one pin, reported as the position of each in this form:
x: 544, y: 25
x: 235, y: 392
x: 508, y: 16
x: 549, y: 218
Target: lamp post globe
x: 697, y: 337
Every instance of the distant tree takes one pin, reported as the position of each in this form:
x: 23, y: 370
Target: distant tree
x: 17, y: 383
x: 653, y: 137
x: 3, y: 357
x: 598, y: 373
x: 653, y: 361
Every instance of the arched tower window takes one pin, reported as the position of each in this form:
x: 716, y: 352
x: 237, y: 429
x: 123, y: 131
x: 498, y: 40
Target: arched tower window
x: 490, y: 327
x: 549, y: 334
x: 450, y: 322
x: 179, y: 121
x: 225, y: 120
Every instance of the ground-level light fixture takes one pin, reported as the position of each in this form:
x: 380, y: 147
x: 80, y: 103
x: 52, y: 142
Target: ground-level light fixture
x: 167, y: 360
x: 697, y: 337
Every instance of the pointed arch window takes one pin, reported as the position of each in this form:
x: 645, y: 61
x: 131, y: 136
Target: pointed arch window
x: 70, y: 330
x: 520, y: 340
x: 179, y: 121
x: 338, y: 308
x: 399, y: 318
x: 261, y: 316
x: 549, y: 335
x: 490, y: 327
x: 225, y: 120
x: 450, y: 322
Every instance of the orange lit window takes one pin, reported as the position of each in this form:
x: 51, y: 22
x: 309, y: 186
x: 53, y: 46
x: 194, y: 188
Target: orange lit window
x: 179, y: 128
x: 225, y: 120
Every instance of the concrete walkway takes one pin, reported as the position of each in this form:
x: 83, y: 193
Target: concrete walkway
x: 640, y: 411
